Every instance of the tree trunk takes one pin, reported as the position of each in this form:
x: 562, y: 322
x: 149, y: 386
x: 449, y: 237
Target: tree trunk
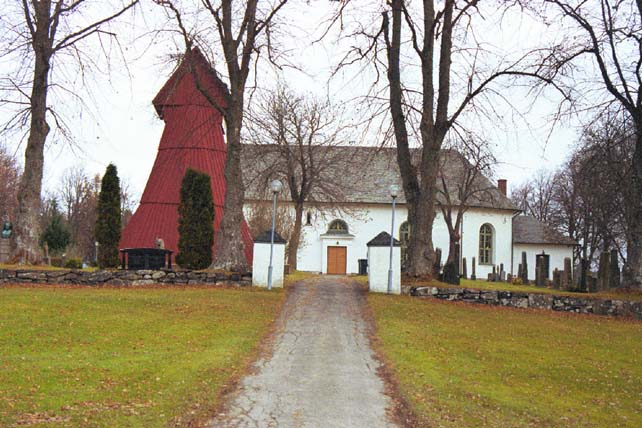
x: 229, y: 243
x: 295, y: 238
x: 27, y: 230
x: 632, y: 269
x: 421, y: 254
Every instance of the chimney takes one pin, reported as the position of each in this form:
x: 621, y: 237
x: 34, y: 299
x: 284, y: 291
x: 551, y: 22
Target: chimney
x: 501, y: 185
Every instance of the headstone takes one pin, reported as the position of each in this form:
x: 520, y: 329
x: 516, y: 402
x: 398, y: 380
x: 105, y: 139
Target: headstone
x: 509, y: 278
x: 614, y: 268
x: 603, y: 271
x: 502, y: 273
x: 379, y: 264
x: 492, y: 276
x: 566, y: 282
x: 7, y: 230
x: 451, y: 274
x: 473, y: 276
x: 5, y: 242
x: 464, y: 268
x: 539, y: 275
x: 524, y: 269
x: 591, y: 282
x: 437, y: 266
x: 557, y: 278
x: 261, y: 260
x: 583, y: 275
x: 519, y: 271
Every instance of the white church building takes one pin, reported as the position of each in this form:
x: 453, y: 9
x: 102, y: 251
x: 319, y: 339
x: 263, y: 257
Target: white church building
x: 356, y: 205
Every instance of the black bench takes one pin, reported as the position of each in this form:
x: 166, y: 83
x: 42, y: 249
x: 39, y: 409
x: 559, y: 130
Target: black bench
x: 146, y: 258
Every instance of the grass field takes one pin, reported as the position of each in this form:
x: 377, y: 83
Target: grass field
x: 461, y: 365
x: 129, y: 357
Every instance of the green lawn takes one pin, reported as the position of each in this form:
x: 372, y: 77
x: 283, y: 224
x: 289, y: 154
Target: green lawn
x: 128, y: 357
x: 462, y: 365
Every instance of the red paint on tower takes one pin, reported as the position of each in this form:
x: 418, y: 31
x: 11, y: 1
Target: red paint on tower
x: 192, y: 138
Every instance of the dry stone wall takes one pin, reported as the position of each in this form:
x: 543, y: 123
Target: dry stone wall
x: 552, y: 302
x: 123, y: 277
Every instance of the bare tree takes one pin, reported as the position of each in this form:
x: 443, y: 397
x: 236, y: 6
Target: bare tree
x: 240, y: 29
x: 425, y: 106
x: 303, y: 134
x: 79, y: 196
x: 463, y: 169
x: 536, y: 196
x: 46, y: 30
x: 9, y: 179
x: 608, y: 32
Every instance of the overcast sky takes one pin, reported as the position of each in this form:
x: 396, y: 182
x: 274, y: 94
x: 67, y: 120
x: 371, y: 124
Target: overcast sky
x: 124, y: 128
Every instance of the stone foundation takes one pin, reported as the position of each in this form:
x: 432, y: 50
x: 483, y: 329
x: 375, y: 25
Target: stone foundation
x: 123, y: 277
x: 581, y: 305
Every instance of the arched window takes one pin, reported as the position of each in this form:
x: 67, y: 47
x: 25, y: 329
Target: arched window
x: 404, y: 239
x: 338, y: 226
x: 308, y: 218
x: 486, y: 244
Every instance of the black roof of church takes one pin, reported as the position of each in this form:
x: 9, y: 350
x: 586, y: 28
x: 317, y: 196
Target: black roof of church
x: 529, y: 230
x: 362, y: 174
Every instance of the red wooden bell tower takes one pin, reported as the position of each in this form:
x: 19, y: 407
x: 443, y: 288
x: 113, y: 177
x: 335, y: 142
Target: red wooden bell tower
x: 192, y: 138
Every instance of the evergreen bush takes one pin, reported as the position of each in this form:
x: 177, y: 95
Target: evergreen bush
x: 108, y: 222
x: 195, y: 221
x: 56, y: 234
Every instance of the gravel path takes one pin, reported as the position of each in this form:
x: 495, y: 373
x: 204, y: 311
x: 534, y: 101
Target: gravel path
x: 321, y: 373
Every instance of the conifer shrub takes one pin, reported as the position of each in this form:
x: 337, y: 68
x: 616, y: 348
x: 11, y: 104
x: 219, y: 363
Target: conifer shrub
x: 195, y: 221
x: 56, y: 235
x: 108, y: 222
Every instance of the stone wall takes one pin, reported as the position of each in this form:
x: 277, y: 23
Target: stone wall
x: 123, y: 277
x: 552, y: 302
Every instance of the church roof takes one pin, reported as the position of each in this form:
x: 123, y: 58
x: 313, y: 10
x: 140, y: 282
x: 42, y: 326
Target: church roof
x: 358, y: 174
x: 529, y: 230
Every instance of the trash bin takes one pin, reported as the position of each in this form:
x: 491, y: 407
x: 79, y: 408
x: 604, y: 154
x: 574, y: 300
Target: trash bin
x: 363, y: 266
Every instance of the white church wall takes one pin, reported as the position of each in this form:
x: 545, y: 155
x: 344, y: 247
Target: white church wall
x: 365, y: 221
x: 502, y: 224
x: 557, y: 255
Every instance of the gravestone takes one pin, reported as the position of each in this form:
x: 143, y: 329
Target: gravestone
x: 524, y: 269
x: 502, y: 272
x: 567, y: 276
x: 464, y: 268
x: 591, y: 283
x: 603, y: 271
x: 436, y: 269
x: 5, y: 242
x: 539, y: 275
x: 583, y: 286
x: 473, y: 276
x: 451, y: 274
x: 492, y: 276
x: 614, y: 268
x: 557, y: 278
x: 519, y: 271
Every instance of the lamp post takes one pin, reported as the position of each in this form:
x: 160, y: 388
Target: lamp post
x: 394, y: 190
x: 276, y: 187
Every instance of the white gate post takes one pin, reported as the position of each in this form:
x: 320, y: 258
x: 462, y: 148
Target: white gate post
x: 261, y: 260
x: 378, y: 264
